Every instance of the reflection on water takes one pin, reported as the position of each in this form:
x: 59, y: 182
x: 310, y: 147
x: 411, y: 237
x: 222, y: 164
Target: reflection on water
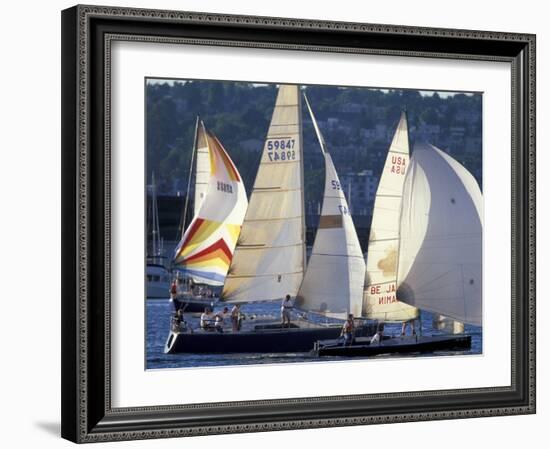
x: 158, y: 319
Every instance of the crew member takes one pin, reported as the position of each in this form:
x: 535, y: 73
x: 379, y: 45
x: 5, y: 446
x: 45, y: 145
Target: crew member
x: 174, y: 294
x: 220, y: 318
x: 236, y: 318
x: 377, y: 338
x: 286, y: 308
x: 404, y: 327
x: 206, y: 320
x: 348, y: 329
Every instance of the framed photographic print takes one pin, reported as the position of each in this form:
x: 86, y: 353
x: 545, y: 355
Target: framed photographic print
x: 266, y: 222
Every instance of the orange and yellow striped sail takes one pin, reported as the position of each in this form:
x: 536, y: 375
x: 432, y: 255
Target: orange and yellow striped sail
x: 206, y: 248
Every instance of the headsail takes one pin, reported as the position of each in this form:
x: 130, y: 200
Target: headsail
x: 269, y: 259
x: 440, y: 254
x: 206, y: 248
x: 380, y: 300
x: 333, y: 282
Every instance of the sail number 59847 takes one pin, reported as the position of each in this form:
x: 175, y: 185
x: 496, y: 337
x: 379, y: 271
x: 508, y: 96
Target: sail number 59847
x: 281, y: 150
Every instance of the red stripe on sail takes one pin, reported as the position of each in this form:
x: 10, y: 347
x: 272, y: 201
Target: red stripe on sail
x: 219, y: 245
x: 192, y: 231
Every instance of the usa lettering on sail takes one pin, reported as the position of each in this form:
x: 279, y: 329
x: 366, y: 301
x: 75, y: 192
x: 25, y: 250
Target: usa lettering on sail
x: 398, y: 165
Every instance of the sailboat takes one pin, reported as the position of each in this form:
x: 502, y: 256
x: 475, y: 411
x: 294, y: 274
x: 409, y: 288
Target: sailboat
x: 270, y: 261
x: 158, y: 277
x: 333, y: 282
x: 206, y: 247
x: 439, y: 256
x: 380, y: 299
x: 440, y: 251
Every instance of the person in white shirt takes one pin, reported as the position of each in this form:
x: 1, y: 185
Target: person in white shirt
x: 220, y: 318
x: 286, y: 308
x: 206, y: 320
x: 235, y: 317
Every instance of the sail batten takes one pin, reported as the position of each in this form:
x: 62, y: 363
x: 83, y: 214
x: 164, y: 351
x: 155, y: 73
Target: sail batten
x: 333, y: 281
x: 269, y: 258
x: 206, y: 248
x: 380, y: 300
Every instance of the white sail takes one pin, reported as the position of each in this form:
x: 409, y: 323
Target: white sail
x: 333, y: 282
x: 202, y: 174
x: 206, y: 248
x: 380, y: 300
x: 440, y: 253
x: 269, y: 260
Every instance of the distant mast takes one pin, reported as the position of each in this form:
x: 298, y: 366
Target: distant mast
x: 155, y: 250
x: 333, y: 281
x: 206, y: 248
x: 269, y: 260
x: 440, y: 254
x: 380, y: 300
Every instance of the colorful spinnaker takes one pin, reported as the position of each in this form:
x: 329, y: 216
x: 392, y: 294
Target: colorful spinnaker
x: 206, y: 248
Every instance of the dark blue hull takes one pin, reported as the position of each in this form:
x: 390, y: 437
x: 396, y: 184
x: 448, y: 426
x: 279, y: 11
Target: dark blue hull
x: 263, y: 339
x: 363, y: 348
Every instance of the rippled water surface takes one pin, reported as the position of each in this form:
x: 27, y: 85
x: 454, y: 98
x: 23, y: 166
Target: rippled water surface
x: 158, y: 319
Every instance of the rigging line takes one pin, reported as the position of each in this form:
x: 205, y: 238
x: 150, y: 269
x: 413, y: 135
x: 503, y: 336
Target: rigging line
x: 248, y: 276
x: 181, y: 229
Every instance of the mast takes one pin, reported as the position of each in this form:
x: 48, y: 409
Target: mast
x: 269, y: 259
x: 184, y: 215
x: 302, y: 171
x: 440, y: 255
x: 155, y: 225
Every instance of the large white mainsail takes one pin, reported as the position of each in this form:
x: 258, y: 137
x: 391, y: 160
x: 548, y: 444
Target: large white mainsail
x: 380, y: 300
x: 333, y: 281
x: 440, y: 253
x: 206, y: 248
x: 269, y: 260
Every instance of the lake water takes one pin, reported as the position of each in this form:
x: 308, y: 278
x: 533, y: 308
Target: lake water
x: 158, y: 313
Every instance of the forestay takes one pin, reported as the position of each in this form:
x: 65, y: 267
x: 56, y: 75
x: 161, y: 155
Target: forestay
x: 333, y: 282
x: 380, y: 300
x: 440, y: 254
x: 206, y: 248
x: 269, y: 260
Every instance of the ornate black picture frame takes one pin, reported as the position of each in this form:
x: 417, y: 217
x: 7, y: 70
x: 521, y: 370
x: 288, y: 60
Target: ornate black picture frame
x: 87, y: 34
